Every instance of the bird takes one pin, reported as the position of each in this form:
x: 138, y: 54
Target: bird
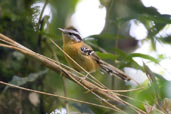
x: 85, y: 56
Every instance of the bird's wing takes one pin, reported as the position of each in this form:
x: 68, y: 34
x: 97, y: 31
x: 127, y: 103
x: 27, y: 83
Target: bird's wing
x: 104, y: 66
x: 88, y: 51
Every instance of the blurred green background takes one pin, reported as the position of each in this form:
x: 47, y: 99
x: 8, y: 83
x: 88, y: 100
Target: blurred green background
x: 124, y: 32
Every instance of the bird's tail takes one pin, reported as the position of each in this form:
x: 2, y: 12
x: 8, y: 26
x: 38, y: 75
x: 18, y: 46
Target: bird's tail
x: 113, y: 71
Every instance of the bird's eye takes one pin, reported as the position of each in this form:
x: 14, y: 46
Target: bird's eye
x: 70, y: 33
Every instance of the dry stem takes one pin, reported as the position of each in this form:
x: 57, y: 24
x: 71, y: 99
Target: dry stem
x: 99, y: 92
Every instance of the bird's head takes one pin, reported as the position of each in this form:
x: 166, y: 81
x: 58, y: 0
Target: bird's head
x: 70, y: 34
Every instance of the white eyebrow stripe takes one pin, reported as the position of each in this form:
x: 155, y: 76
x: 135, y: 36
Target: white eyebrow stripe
x: 75, y: 38
x: 72, y: 31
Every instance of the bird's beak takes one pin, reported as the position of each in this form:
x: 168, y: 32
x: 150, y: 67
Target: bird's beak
x: 61, y: 29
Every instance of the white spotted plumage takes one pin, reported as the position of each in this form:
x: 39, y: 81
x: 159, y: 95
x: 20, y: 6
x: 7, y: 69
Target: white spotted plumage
x: 86, y: 51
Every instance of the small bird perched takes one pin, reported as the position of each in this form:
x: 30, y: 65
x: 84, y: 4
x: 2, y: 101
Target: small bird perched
x: 84, y: 55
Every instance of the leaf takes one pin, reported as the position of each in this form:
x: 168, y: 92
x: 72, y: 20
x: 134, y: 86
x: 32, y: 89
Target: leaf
x: 165, y: 39
x: 108, y: 36
x: 16, y: 80
x: 153, y: 82
x: 149, y: 73
x: 133, y: 63
x: 160, y: 77
x: 128, y: 58
x: 120, y: 52
x: 144, y: 56
x: 107, y: 55
x: 18, y: 55
x: 126, y: 61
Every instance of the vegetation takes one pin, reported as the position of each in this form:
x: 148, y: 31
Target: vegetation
x: 27, y: 69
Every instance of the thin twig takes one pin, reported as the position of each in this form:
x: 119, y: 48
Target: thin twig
x: 137, y: 109
x: 48, y: 62
x: 103, y: 100
x: 53, y: 95
x: 94, y: 89
x: 123, y: 91
x: 88, y: 74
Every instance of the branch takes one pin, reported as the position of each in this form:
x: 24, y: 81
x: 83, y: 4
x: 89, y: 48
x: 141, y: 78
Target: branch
x: 53, y: 95
x: 99, y: 92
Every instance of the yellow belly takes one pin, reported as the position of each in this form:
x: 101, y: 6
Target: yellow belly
x: 73, y: 50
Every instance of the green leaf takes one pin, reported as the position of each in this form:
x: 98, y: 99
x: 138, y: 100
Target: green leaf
x: 144, y: 56
x: 108, y: 36
x: 165, y: 40
x: 160, y: 77
x: 120, y: 52
x: 153, y: 81
x: 107, y: 55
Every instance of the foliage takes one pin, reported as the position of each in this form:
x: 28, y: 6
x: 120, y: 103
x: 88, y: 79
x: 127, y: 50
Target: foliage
x: 114, y: 44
